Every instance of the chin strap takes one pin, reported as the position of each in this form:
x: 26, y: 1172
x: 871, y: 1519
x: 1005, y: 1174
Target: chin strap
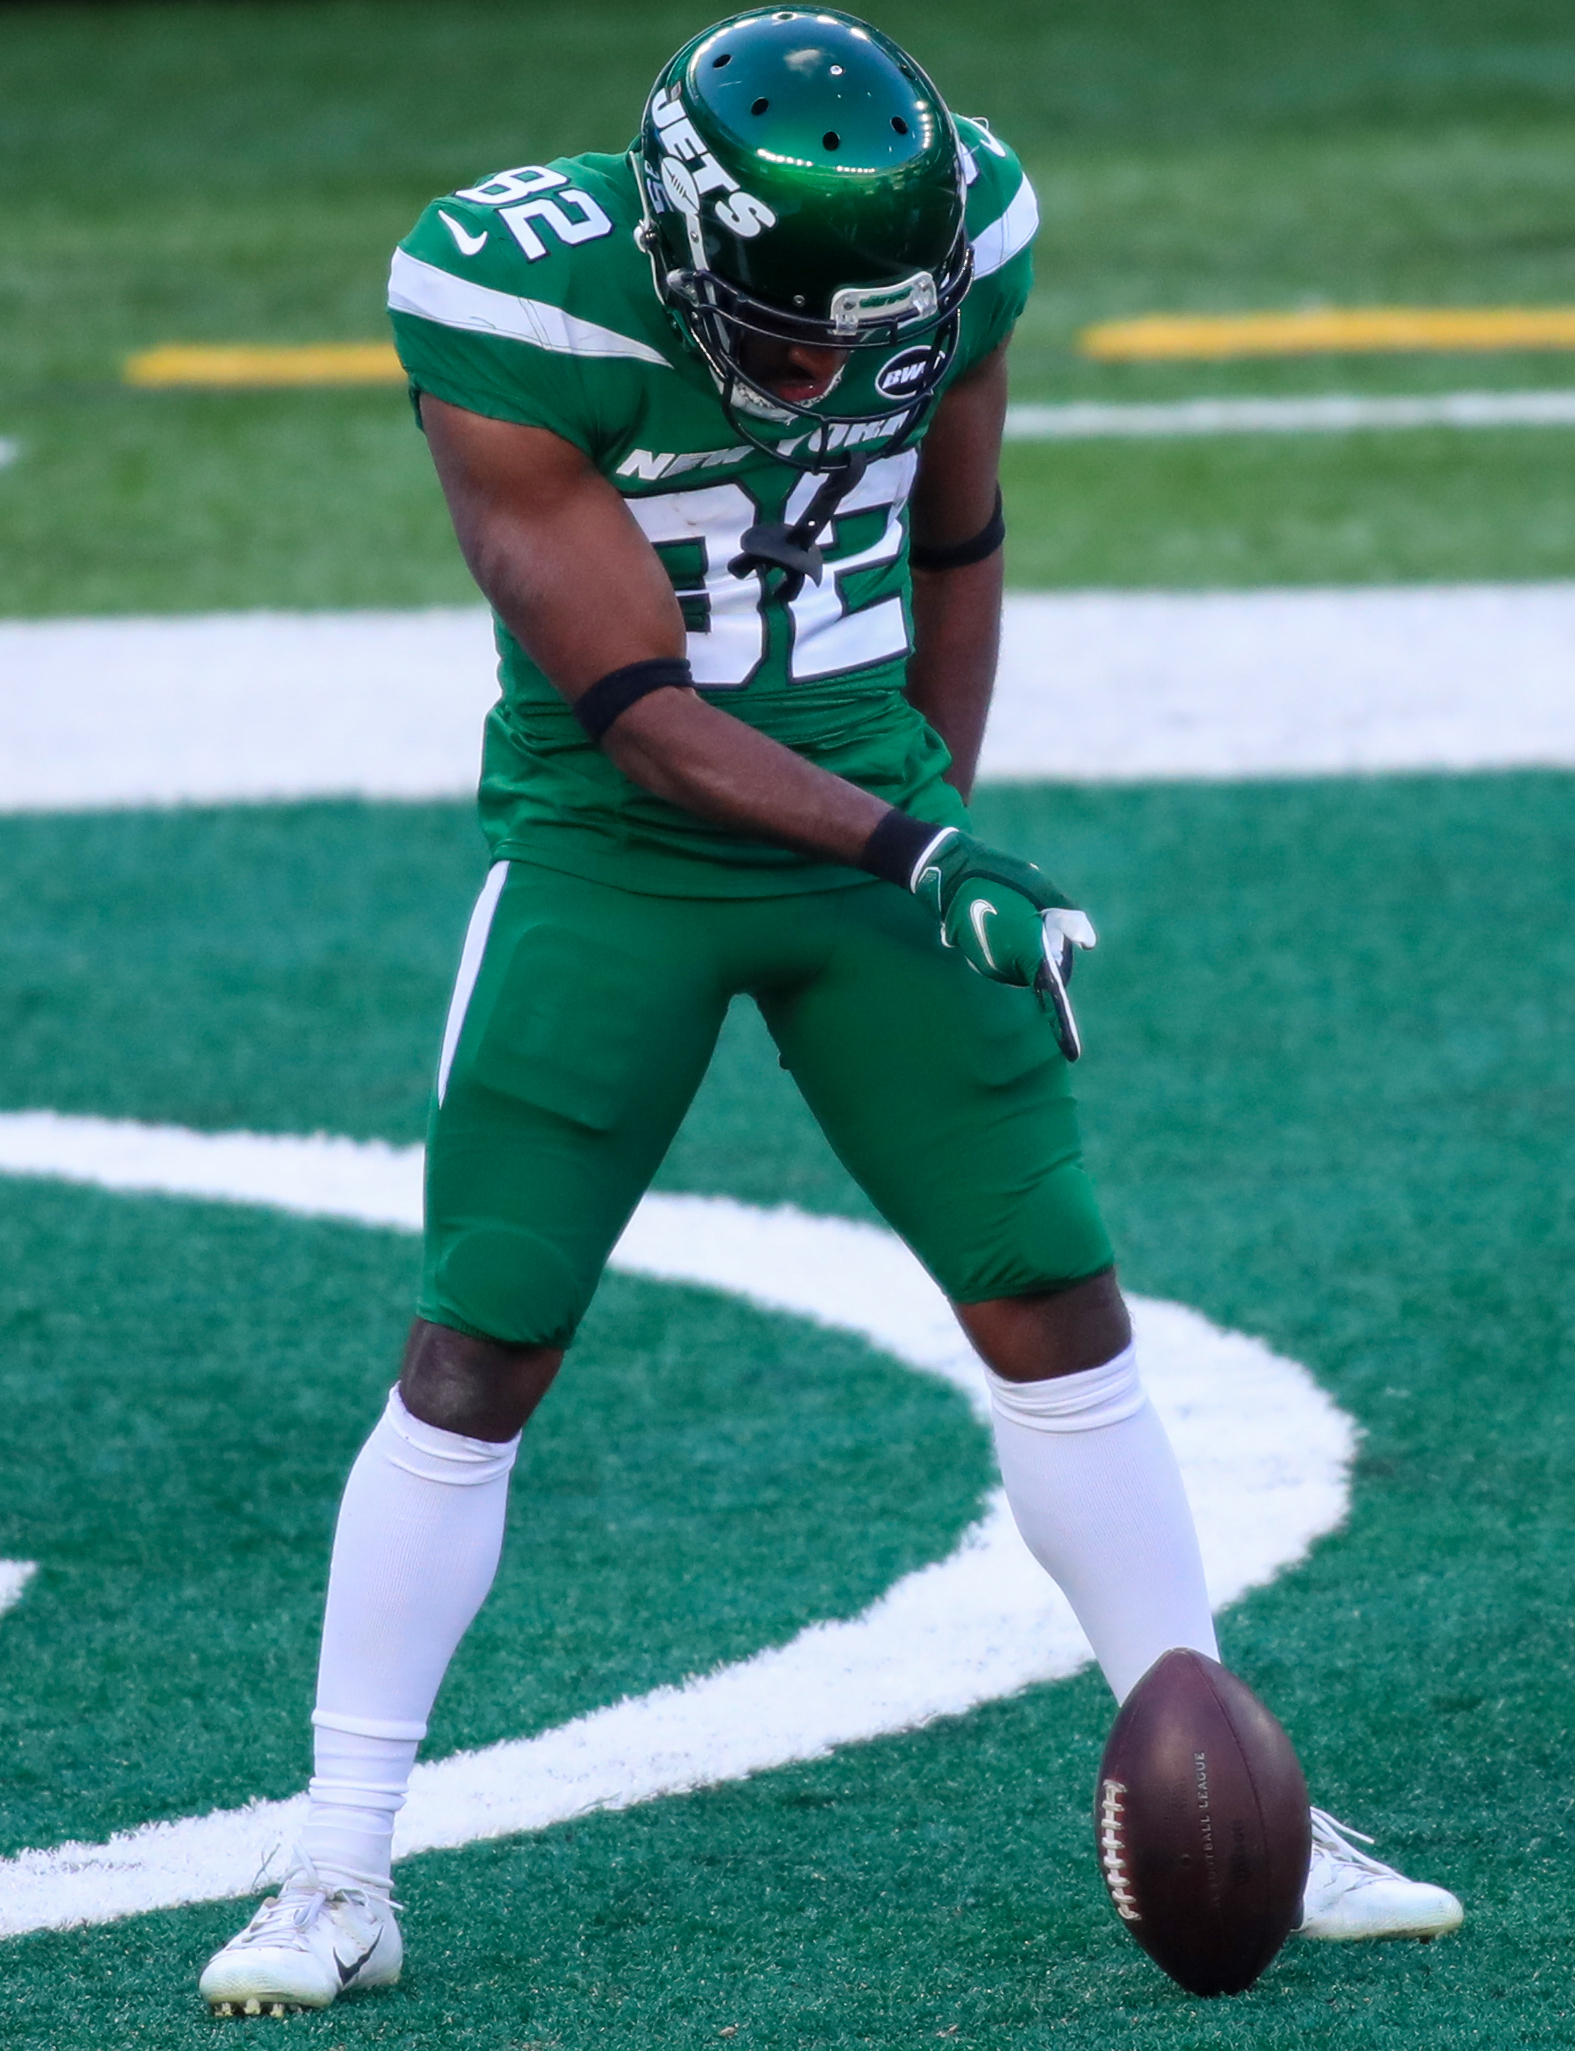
x: 777, y: 545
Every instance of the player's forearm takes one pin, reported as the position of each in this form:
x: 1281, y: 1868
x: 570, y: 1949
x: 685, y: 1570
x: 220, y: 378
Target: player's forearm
x: 671, y: 743
x: 571, y: 575
x: 706, y: 762
x: 957, y: 634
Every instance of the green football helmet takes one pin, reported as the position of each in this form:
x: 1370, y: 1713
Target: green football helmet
x: 802, y: 180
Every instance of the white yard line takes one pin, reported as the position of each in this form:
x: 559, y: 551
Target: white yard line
x: 10, y: 450
x: 1266, y: 1454
x: 1095, y: 686
x: 1336, y: 413
x: 1135, y: 686
x: 228, y: 707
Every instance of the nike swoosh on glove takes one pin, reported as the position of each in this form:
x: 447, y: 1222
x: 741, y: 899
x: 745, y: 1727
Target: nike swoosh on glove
x: 1007, y: 920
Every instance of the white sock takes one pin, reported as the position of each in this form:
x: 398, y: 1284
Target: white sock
x: 1098, y: 1497
x: 417, y: 1544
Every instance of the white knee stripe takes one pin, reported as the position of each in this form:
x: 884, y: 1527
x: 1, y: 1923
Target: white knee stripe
x: 1072, y: 1402
x: 469, y: 968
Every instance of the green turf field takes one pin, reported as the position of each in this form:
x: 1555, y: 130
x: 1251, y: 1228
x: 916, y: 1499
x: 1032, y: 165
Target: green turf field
x: 1329, y: 1092
x: 240, y: 172
x: 1346, y: 1137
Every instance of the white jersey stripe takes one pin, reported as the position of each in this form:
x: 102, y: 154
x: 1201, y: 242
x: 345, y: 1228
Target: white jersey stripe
x: 1005, y: 236
x: 437, y: 295
x: 469, y: 968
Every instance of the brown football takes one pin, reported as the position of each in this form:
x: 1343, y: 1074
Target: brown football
x: 1202, y: 1824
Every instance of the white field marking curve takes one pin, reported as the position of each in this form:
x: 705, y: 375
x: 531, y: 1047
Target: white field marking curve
x: 1094, y: 686
x: 1265, y: 1451
x: 14, y: 1577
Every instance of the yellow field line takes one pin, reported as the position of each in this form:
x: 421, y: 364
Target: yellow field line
x: 1173, y: 337
x: 320, y: 363
x: 1159, y: 337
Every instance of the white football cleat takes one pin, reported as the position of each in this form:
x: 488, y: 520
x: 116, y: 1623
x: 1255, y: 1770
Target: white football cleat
x: 304, y: 1947
x: 1350, y: 1896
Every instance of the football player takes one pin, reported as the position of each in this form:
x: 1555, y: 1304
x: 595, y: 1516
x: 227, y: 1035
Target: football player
x: 718, y: 423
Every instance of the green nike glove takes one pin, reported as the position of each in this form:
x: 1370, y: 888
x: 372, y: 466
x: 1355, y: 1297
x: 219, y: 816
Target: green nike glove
x: 1008, y: 921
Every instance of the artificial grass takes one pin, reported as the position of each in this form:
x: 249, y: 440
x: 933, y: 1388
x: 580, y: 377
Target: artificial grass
x: 220, y: 502
x: 1325, y: 1103
x: 1425, y: 506
x: 187, y: 1386
x: 127, y: 502
x: 240, y: 173
x: 294, y: 980
x: 1328, y: 1091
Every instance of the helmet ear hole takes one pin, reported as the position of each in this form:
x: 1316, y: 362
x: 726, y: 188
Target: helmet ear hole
x: 899, y: 124
x: 831, y: 139
x: 760, y: 106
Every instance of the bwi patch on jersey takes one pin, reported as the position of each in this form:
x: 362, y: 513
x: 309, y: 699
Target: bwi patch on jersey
x: 902, y: 372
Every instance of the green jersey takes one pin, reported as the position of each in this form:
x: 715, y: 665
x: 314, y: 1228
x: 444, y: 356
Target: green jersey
x: 527, y: 298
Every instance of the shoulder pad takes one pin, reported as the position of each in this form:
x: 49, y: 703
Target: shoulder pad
x: 1003, y: 214
x: 541, y: 253
x: 542, y: 230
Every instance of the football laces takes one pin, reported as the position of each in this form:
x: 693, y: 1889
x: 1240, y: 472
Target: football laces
x: 1113, y: 1853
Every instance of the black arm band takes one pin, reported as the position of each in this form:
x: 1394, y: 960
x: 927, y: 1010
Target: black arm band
x: 892, y: 851
x: 961, y: 553
x: 612, y: 695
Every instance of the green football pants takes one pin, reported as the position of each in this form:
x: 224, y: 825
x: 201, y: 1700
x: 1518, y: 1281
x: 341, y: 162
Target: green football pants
x: 583, y: 1020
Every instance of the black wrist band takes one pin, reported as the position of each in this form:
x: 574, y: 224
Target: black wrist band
x: 612, y: 695
x: 892, y: 851
x: 961, y: 553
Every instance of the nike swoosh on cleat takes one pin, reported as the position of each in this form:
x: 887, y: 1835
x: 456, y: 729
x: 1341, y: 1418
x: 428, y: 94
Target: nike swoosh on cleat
x: 348, y: 1972
x: 469, y: 244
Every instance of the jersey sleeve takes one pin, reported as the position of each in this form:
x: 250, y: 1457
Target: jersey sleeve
x: 1002, y: 219
x: 480, y: 320
x: 465, y: 338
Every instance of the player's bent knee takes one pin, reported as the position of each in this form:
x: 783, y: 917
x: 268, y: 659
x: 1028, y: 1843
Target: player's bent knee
x: 482, y: 1388
x: 1045, y: 1333
x: 498, y: 1277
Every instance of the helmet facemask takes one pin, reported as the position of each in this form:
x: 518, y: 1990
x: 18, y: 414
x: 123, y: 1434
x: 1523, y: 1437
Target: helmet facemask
x: 921, y: 312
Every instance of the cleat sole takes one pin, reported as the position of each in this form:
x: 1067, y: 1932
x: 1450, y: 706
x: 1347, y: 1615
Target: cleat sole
x: 257, y: 2006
